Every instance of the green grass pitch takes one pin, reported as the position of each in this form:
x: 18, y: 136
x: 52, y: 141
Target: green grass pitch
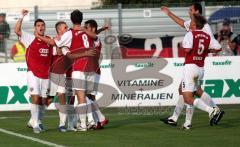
x: 129, y: 129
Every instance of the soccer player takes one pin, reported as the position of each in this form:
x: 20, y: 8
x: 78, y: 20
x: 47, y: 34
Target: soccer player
x: 196, y: 44
x: 91, y: 26
x: 76, y: 41
x: 57, y: 79
x: 195, y: 8
x: 38, y: 58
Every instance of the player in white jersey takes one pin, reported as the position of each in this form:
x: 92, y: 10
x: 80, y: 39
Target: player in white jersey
x: 195, y: 8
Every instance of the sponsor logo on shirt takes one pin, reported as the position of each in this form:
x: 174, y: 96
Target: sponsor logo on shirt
x: 43, y: 52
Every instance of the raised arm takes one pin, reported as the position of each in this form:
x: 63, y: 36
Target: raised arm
x: 18, y: 26
x: 105, y: 27
x: 175, y: 18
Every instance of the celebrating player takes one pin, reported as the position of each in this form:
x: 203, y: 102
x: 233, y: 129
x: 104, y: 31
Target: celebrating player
x: 38, y: 57
x: 196, y: 44
x: 91, y: 26
x: 77, y: 41
x: 189, y: 25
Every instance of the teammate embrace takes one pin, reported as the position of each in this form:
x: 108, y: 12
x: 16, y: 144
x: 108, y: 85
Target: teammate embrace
x: 197, y: 43
x: 72, y: 54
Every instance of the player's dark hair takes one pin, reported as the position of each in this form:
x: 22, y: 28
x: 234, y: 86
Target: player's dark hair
x: 58, y: 24
x: 92, y: 23
x: 76, y: 17
x: 38, y: 20
x: 197, y: 7
x: 199, y: 20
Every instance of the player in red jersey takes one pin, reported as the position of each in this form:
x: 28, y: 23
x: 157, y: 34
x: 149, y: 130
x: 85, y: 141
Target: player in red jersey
x: 76, y: 41
x: 100, y: 120
x: 194, y: 8
x: 196, y: 44
x: 58, y: 77
x: 38, y: 58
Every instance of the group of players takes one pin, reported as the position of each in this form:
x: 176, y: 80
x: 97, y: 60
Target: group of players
x: 73, y: 54
x: 197, y: 43
x: 71, y: 57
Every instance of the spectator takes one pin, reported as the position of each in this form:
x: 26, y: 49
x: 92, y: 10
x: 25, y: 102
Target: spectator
x: 4, y: 32
x: 227, y: 39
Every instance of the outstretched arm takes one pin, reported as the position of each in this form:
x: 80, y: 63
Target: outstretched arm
x: 18, y: 25
x: 88, y: 53
x: 105, y: 27
x: 175, y: 18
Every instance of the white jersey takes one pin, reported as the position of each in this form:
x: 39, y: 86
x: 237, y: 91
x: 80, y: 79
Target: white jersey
x: 206, y: 29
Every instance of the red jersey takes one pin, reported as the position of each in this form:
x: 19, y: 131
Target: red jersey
x: 80, y: 43
x: 38, y: 58
x: 200, y: 44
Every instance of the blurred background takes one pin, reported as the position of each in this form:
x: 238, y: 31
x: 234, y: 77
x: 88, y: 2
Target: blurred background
x: 138, y: 29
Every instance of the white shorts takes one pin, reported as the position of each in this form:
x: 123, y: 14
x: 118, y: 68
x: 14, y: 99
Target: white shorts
x: 87, y: 81
x: 192, y: 77
x: 57, y: 84
x: 37, y: 86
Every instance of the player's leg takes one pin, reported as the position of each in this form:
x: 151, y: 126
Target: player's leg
x: 172, y: 120
x: 62, y: 110
x: 34, y: 91
x: 206, y: 98
x: 71, y: 116
x: 82, y: 109
x: 191, y: 75
x: 45, y: 100
x: 99, y: 117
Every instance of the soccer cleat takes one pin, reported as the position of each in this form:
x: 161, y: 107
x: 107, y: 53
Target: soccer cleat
x: 91, y: 125
x: 188, y: 127
x: 213, y: 115
x: 71, y: 129
x: 29, y: 125
x: 104, y: 122
x: 82, y: 129
x: 42, y: 127
x: 36, y: 130
x: 62, y: 129
x: 218, y: 117
x: 169, y: 121
x: 98, y: 126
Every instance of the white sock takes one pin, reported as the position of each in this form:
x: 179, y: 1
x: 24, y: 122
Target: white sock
x: 202, y: 106
x: 82, y: 113
x: 208, y: 100
x: 89, y: 110
x: 95, y: 117
x: 178, y: 109
x: 62, y: 115
x: 97, y: 111
x: 34, y: 115
x: 42, y: 109
x: 189, y: 115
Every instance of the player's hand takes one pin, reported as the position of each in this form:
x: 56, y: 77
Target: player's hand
x: 165, y: 9
x: 24, y: 12
x: 91, y: 52
x: 106, y: 27
x: 36, y: 34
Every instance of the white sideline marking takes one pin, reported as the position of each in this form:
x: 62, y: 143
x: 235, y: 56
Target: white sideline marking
x: 30, y: 138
